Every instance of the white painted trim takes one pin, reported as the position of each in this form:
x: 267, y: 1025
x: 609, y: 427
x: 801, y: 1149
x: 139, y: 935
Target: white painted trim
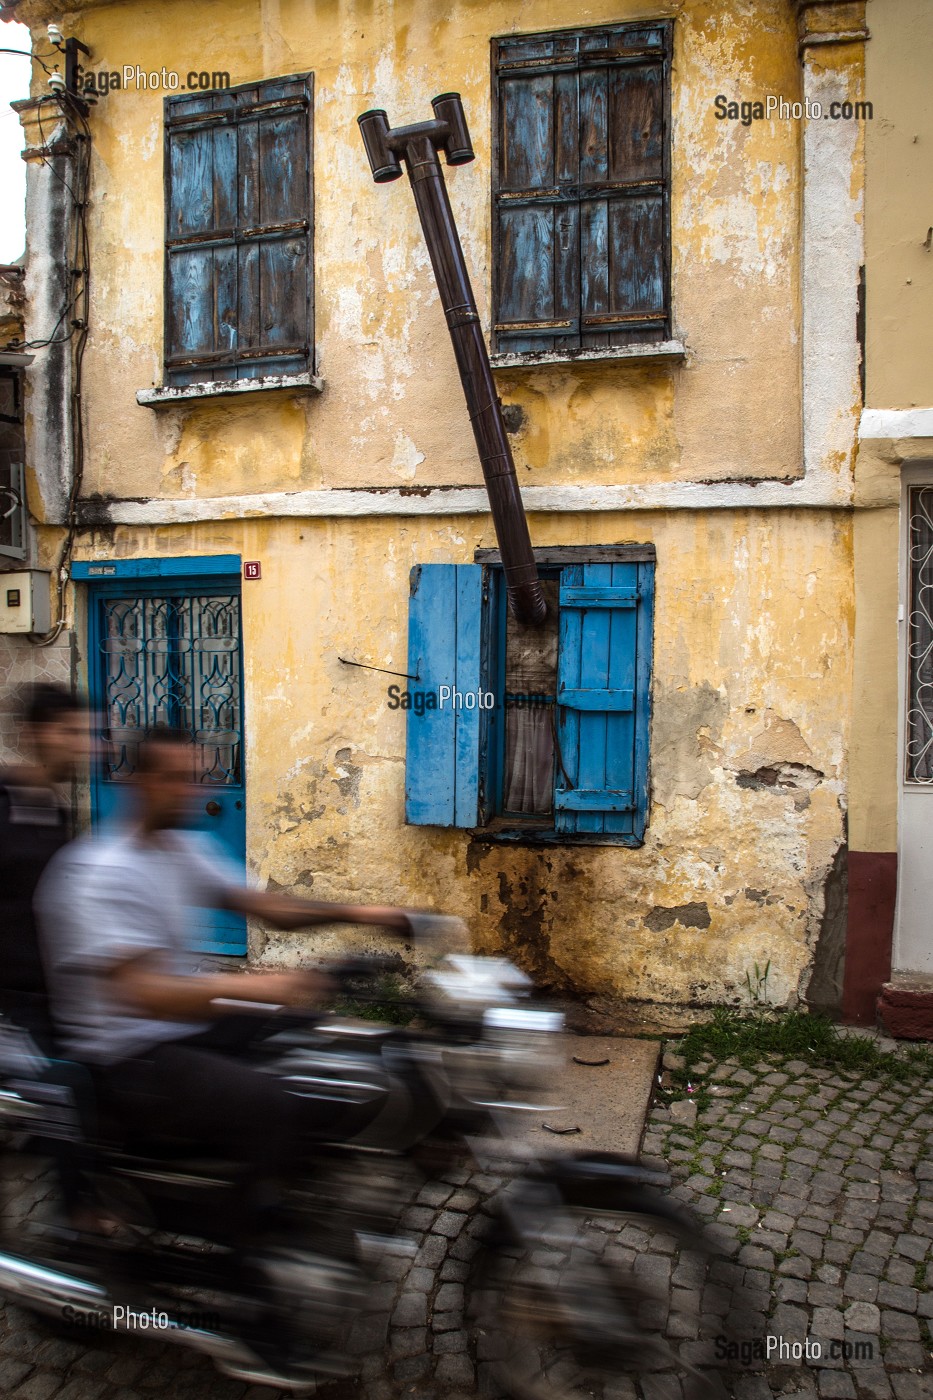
x: 818, y: 491
x: 165, y: 394
x: 831, y: 255
x: 896, y: 423
x: 530, y: 359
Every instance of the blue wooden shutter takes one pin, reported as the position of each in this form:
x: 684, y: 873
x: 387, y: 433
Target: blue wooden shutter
x: 239, y: 223
x: 275, y: 217
x: 445, y: 648
x: 581, y: 227
x: 200, y: 175
x: 537, y: 212
x: 623, y: 188
x: 603, y: 675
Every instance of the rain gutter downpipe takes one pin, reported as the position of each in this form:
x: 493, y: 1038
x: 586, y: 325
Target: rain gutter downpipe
x: 418, y: 147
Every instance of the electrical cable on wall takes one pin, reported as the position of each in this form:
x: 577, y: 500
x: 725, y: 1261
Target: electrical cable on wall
x: 74, y: 316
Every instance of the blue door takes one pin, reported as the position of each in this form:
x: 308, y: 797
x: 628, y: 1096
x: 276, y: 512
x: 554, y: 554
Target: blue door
x: 165, y: 648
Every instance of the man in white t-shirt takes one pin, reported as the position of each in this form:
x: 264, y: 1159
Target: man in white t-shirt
x: 113, y: 915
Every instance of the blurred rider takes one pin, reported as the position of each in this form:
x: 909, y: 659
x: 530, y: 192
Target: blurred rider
x: 117, y: 945
x: 34, y: 825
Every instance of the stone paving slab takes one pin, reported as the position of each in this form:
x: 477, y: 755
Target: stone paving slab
x: 607, y: 1102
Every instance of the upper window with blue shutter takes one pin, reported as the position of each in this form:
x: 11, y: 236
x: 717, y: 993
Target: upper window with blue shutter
x: 534, y: 732
x: 239, y: 260
x: 581, y: 188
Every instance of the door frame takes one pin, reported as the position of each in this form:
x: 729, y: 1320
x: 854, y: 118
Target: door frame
x: 111, y: 577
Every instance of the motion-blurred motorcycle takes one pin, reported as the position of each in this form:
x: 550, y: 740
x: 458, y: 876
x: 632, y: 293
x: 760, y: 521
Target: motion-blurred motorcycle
x: 558, y: 1304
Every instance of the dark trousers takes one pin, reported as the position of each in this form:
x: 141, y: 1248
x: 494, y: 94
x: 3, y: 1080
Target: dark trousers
x: 203, y: 1089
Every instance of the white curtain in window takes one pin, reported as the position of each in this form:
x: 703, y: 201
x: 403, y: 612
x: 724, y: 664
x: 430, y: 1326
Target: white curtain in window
x: 529, y: 760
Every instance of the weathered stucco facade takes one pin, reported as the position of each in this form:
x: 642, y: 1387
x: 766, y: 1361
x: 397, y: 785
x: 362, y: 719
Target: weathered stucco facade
x: 731, y: 451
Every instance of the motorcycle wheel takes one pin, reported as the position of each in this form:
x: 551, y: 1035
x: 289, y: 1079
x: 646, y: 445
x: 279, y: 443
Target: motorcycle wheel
x: 588, y: 1312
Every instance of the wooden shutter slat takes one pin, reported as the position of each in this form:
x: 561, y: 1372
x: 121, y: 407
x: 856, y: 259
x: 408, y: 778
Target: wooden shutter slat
x: 226, y: 302
x: 596, y: 596
x: 248, y: 307
x: 191, y: 301
x: 283, y: 162
x: 248, y: 178
x: 566, y: 129
x: 594, y: 125
x: 596, y: 699
x: 598, y: 800
x: 636, y: 123
x: 224, y: 146
x: 191, y: 172
x: 527, y: 136
x: 526, y: 267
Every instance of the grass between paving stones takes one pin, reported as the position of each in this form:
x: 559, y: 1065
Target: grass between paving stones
x: 793, y: 1035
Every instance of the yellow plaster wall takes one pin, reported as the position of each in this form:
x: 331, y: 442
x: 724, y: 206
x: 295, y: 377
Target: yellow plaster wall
x: 898, y: 251
x: 752, y: 635
x: 392, y: 411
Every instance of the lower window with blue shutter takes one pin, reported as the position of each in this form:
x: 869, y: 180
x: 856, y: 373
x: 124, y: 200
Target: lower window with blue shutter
x: 537, y: 734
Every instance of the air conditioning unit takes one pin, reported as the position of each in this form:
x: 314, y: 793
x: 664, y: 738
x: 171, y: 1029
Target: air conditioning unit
x: 26, y: 601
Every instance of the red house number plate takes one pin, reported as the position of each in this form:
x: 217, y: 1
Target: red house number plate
x: 252, y: 569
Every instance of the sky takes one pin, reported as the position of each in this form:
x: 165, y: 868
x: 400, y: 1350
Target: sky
x: 14, y: 84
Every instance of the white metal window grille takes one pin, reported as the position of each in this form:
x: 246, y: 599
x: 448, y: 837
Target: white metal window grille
x: 919, y: 747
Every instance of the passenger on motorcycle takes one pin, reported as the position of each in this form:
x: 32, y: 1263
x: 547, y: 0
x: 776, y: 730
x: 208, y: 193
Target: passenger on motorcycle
x: 35, y: 823
x: 115, y: 924
x: 34, y: 826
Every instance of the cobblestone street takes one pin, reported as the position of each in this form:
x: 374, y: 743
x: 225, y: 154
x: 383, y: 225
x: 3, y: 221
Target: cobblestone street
x: 820, y: 1187
x: 816, y: 1185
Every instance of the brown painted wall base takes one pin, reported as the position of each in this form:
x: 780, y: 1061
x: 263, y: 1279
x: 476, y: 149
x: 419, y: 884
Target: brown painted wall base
x: 872, y: 892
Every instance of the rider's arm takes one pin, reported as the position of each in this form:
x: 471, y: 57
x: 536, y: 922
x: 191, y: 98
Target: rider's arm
x: 285, y: 912
x: 143, y: 984
x: 216, y: 883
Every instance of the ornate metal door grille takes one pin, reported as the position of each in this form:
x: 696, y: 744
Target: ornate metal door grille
x: 174, y: 660
x: 919, y: 746
x: 12, y: 487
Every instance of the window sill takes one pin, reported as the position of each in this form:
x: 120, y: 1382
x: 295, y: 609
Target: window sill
x: 166, y: 394
x: 537, y: 836
x: 660, y: 351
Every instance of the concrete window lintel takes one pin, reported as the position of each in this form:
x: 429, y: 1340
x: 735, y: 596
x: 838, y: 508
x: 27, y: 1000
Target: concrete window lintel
x: 164, y: 395
x: 659, y: 350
